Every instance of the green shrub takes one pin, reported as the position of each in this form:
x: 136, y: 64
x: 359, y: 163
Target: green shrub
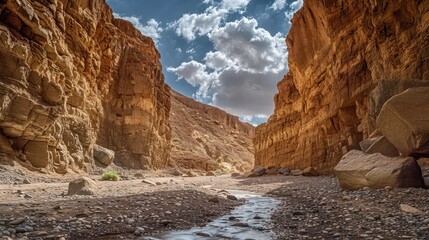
x: 110, y: 176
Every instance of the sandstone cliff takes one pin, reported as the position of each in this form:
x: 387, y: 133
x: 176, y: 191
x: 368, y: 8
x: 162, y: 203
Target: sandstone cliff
x: 207, y: 138
x: 71, y: 75
x: 346, y: 58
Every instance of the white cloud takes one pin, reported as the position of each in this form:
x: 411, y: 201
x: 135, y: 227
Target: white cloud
x: 250, y: 47
x: 294, y: 7
x: 151, y: 29
x: 234, y: 5
x: 241, y: 74
x: 190, y: 26
x: 278, y: 5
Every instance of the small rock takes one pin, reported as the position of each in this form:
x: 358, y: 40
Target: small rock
x: 82, y: 186
x: 17, y: 221
x: 232, y: 218
x: 409, y: 209
x: 231, y: 197
x: 210, y: 173
x: 240, y: 224
x: 139, y: 231
x: 235, y: 175
x: 214, y: 200
x: 296, y: 172
x: 26, y: 181
x: 149, y: 182
x: 203, y: 234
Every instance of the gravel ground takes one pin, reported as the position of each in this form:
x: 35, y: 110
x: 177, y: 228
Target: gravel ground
x: 316, y: 208
x: 312, y: 207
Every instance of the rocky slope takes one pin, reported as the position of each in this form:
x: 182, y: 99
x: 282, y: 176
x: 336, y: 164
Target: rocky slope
x: 346, y: 58
x: 71, y: 75
x: 207, y: 138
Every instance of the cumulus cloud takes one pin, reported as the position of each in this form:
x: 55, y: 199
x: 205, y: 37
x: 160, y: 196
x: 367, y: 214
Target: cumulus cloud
x: 278, y: 5
x: 294, y: 7
x: 241, y: 74
x: 250, y: 47
x: 151, y: 29
x: 190, y: 26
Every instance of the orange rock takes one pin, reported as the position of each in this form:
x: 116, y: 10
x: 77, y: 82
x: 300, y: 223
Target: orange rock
x: 345, y: 60
x: 71, y: 75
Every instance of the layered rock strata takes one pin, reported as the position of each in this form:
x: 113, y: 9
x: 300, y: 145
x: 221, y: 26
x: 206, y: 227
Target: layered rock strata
x: 207, y: 138
x: 71, y: 75
x: 346, y: 58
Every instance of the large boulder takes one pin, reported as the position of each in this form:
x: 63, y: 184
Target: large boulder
x: 404, y: 121
x: 357, y: 170
x: 82, y: 186
x: 424, y: 165
x: 383, y: 146
x: 103, y: 155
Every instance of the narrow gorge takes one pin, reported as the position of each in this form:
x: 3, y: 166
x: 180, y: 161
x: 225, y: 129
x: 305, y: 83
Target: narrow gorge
x: 346, y: 59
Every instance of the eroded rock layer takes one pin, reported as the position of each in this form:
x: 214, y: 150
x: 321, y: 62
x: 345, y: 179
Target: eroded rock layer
x: 207, y: 138
x: 346, y: 58
x: 71, y: 75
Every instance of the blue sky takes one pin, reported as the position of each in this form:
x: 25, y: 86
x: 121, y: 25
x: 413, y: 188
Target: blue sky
x: 226, y: 53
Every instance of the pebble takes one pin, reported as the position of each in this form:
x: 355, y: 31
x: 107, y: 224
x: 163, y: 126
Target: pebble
x: 231, y: 197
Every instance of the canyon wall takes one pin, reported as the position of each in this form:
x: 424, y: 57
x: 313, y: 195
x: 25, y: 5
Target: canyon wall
x: 346, y: 58
x: 71, y: 76
x: 207, y: 138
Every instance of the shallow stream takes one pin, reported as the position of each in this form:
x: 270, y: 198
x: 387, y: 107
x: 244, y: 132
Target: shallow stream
x: 252, y: 221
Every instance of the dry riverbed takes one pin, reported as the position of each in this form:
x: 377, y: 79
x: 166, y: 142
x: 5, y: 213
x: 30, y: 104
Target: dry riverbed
x: 311, y: 208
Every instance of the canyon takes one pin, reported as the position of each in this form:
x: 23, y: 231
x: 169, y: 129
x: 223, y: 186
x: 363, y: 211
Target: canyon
x: 74, y: 80
x: 346, y: 59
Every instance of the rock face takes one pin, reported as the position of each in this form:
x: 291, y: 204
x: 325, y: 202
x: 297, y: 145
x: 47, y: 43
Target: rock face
x: 208, y: 138
x: 71, y: 75
x: 404, y: 121
x: 358, y: 170
x: 346, y: 58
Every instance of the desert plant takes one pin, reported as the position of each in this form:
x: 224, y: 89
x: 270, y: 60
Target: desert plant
x: 110, y: 176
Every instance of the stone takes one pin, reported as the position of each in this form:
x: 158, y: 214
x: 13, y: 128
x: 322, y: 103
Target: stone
x: 235, y: 175
x: 190, y: 174
x: 37, y: 153
x: 365, y: 144
x: 424, y: 166
x: 310, y: 172
x: 26, y: 181
x: 357, y: 170
x: 103, y: 155
x: 231, y: 197
x: 341, y: 71
x: 284, y: 171
x: 17, y: 221
x: 409, y: 209
x: 404, y: 121
x: 384, y: 147
x: 214, y: 200
x: 210, y: 173
x: 177, y: 173
x: 272, y: 170
x: 149, y: 182
x: 259, y: 171
x: 82, y: 186
x: 296, y: 172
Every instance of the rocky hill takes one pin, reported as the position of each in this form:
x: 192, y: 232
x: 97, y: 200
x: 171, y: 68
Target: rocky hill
x: 346, y: 58
x: 72, y: 76
x: 207, y: 138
